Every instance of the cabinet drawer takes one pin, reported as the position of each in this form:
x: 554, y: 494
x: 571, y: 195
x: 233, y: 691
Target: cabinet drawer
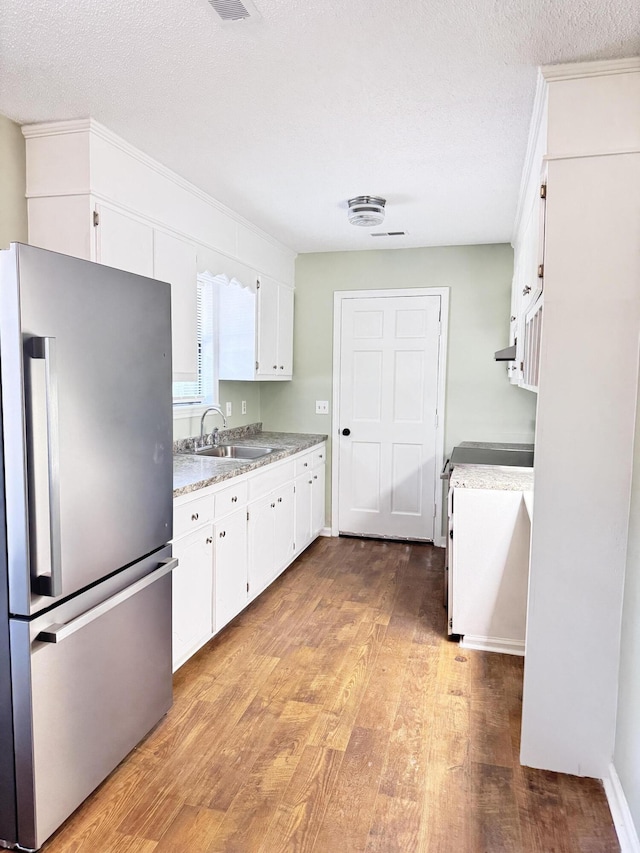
x: 271, y: 479
x: 304, y: 463
x: 231, y: 498
x: 319, y: 455
x: 188, y: 516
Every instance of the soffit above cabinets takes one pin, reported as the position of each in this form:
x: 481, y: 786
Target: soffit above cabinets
x: 285, y: 116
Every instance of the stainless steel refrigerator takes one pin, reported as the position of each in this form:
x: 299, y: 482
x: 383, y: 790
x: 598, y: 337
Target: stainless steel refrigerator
x: 85, y: 569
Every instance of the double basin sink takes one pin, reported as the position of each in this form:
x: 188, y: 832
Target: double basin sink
x: 233, y: 451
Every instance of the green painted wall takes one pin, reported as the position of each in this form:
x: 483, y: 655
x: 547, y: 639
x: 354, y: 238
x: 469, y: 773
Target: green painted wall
x: 13, y: 204
x: 233, y: 392
x: 481, y: 405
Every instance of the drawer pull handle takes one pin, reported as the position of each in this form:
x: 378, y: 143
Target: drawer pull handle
x: 306, y: 464
x: 56, y: 633
x: 234, y: 499
x: 223, y: 533
x: 209, y: 540
x: 194, y: 516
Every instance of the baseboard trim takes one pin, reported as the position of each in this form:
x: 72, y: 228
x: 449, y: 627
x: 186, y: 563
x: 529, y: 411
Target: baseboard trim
x: 326, y: 531
x: 492, y: 644
x: 620, y: 812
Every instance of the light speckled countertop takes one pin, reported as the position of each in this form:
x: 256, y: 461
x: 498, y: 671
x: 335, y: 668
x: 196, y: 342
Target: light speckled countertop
x: 492, y: 477
x: 191, y: 472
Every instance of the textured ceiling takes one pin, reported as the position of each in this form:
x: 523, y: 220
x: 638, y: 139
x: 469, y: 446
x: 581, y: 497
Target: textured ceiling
x: 425, y: 102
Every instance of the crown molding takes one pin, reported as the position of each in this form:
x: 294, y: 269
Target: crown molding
x: 90, y: 125
x: 599, y: 68
x: 537, y: 117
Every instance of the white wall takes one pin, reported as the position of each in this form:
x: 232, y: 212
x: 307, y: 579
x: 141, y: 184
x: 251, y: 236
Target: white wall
x: 627, y: 746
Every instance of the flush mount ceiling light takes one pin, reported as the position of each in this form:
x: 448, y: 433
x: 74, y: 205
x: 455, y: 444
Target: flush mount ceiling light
x: 366, y: 210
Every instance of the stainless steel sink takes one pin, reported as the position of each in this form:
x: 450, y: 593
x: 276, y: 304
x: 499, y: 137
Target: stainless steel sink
x: 235, y: 451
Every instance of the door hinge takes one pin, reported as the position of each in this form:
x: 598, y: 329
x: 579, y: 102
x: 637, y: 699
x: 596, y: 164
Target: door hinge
x: 96, y: 218
x: 247, y: 586
x: 257, y: 364
x: 247, y: 516
x: 543, y: 190
x: 450, y: 622
x: 436, y: 417
x: 451, y: 533
x: 540, y: 270
x: 257, y: 284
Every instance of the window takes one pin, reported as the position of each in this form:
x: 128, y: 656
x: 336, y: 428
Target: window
x: 204, y: 389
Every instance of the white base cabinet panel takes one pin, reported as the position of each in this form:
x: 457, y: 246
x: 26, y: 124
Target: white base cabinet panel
x: 489, y: 569
x: 192, y: 583
x: 230, y: 551
x: 230, y: 567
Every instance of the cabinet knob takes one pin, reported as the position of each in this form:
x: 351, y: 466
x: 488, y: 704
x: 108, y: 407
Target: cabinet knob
x: 279, y: 500
x: 223, y: 533
x: 282, y: 367
x: 526, y: 290
x: 310, y: 482
x: 315, y: 476
x: 321, y: 456
x: 346, y: 431
x: 275, y: 366
x: 209, y: 540
x: 306, y: 464
x: 234, y: 499
x: 194, y: 516
x: 273, y: 506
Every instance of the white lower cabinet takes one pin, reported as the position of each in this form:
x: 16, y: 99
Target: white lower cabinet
x: 192, y: 593
x: 230, y: 567
x: 271, y: 532
x: 229, y: 551
x: 489, y: 568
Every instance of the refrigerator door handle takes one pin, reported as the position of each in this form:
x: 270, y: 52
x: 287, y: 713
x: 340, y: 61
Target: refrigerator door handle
x: 45, y: 348
x: 57, y: 633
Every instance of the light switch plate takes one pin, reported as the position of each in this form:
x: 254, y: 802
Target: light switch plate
x: 322, y: 407
x: 229, y: 408
x: 244, y: 407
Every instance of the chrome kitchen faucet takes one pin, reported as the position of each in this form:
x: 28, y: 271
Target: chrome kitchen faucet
x: 215, y: 432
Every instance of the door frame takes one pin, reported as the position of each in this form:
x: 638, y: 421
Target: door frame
x: 338, y: 297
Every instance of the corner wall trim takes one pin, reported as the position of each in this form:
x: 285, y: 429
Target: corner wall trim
x: 621, y: 814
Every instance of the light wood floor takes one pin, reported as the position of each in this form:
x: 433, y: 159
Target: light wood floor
x: 333, y: 716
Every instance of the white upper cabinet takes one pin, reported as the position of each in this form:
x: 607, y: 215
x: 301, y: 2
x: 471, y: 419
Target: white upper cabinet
x: 122, y: 241
x: 175, y: 261
x: 275, y: 330
x: 256, y: 330
x: 153, y: 222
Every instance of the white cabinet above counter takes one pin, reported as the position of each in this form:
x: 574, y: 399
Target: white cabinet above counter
x: 93, y: 195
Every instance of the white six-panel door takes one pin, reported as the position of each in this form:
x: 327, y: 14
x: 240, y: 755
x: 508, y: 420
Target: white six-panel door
x: 388, y: 401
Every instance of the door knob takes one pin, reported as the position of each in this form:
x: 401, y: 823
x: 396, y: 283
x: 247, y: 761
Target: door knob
x: 346, y: 431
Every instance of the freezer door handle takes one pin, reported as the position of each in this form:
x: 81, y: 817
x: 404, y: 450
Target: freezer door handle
x: 58, y: 633
x: 45, y: 348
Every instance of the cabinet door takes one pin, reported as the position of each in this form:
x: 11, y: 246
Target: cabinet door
x: 175, y: 261
x: 303, y: 486
x: 261, y: 532
x: 267, y: 328
x: 192, y: 593
x: 230, y: 561
x: 317, y: 500
x: 284, y: 527
x: 285, y: 331
x: 123, y: 242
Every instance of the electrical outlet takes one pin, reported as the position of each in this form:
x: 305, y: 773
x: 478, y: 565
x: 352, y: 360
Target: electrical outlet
x: 229, y: 408
x: 322, y: 407
x: 244, y: 407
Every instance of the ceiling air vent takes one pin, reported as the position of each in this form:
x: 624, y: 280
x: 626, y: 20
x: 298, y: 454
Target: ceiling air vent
x: 230, y: 11
x: 388, y: 233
